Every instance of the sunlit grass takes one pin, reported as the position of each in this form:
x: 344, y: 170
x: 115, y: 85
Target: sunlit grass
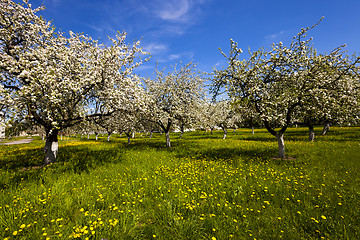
x: 202, y: 188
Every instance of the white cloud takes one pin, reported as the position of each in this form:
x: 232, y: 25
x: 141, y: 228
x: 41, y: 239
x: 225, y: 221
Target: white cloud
x: 155, y: 48
x: 174, y: 10
x: 174, y: 56
x: 187, y: 55
x: 274, y: 35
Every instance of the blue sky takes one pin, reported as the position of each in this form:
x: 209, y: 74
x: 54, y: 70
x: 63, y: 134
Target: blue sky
x: 185, y: 30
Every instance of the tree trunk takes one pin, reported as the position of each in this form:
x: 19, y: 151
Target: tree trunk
x: 167, y: 136
x: 252, y: 131
x: 151, y: 133
x: 281, y: 144
x: 51, y: 146
x: 96, y: 136
x: 133, y: 135
x: 211, y: 131
x: 108, y: 138
x: 225, y: 132
x: 311, y: 133
x: 326, y: 128
x: 166, y: 130
x: 88, y: 137
x: 128, y: 137
x: 182, y: 129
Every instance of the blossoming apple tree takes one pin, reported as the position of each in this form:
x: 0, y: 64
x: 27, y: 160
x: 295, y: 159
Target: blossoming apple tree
x: 284, y: 80
x: 172, y: 95
x: 60, y: 81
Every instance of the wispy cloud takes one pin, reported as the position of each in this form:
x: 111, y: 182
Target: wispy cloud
x: 174, y: 56
x: 188, y: 55
x: 155, y: 48
x: 274, y: 36
x: 175, y: 10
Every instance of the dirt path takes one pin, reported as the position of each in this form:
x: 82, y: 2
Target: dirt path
x: 22, y: 141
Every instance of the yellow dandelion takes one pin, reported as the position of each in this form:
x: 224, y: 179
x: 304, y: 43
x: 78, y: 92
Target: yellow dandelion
x: 15, y: 233
x: 323, y: 217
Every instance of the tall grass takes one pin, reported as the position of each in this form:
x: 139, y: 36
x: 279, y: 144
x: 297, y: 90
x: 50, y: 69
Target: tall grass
x: 203, y: 188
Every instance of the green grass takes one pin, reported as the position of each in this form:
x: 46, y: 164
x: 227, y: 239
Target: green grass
x: 202, y: 188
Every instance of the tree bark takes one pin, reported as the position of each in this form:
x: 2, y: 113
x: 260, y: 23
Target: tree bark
x: 326, y: 128
x: 109, y: 135
x: 88, y: 137
x: 51, y: 146
x: 151, y: 133
x: 225, y: 132
x: 96, y: 136
x: 311, y: 133
x: 133, y: 135
x: 252, y: 131
x: 281, y: 144
x: 167, y: 136
x: 182, y: 129
x: 128, y: 134
x: 166, y: 130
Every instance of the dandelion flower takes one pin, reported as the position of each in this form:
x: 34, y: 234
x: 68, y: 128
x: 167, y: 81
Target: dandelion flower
x: 323, y: 217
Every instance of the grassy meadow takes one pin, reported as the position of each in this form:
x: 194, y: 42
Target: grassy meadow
x: 202, y: 188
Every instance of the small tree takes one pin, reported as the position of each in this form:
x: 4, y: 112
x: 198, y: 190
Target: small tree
x: 172, y: 95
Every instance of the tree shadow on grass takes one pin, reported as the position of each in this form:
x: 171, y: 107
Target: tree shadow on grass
x: 28, y: 165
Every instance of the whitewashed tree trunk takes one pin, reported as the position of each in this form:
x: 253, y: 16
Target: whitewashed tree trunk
x: 281, y: 144
x: 88, y: 137
x: 225, y: 132
x: 96, y: 136
x: 128, y: 134
x: 182, y: 129
x: 108, y: 138
x: 311, y: 133
x: 325, y: 129
x: 61, y: 137
x: 51, y: 147
x: 151, y: 133
x: 252, y: 131
x: 133, y: 135
x: 167, y: 136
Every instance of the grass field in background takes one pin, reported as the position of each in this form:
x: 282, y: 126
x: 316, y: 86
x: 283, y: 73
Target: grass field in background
x: 202, y: 188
